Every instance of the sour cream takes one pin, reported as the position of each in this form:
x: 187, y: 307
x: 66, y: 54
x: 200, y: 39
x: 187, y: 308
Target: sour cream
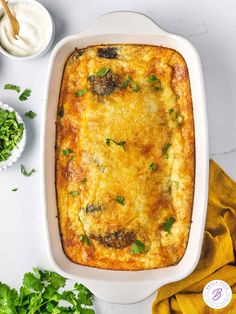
x: 35, y: 29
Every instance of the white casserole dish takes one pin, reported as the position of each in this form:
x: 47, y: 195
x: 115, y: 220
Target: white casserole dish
x: 125, y: 286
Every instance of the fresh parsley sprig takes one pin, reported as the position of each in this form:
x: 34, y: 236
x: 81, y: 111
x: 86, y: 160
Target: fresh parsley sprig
x: 42, y: 292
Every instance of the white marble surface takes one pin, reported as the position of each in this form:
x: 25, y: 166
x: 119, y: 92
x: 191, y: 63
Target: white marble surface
x: 211, y: 28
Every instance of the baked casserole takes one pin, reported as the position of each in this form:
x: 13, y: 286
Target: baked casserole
x: 125, y: 157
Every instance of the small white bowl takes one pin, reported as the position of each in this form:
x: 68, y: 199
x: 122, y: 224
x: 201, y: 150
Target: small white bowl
x: 18, y: 150
x: 47, y: 44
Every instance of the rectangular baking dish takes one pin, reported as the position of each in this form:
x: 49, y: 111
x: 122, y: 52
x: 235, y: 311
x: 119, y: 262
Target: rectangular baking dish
x: 124, y: 286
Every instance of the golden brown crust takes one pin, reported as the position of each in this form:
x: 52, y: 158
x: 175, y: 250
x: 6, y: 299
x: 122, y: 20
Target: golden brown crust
x: 125, y: 157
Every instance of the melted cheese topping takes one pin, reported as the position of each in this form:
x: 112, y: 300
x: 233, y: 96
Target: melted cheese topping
x: 125, y: 157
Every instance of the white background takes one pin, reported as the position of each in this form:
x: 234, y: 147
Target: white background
x: 209, y: 24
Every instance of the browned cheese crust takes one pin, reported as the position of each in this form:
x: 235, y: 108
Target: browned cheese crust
x: 125, y: 157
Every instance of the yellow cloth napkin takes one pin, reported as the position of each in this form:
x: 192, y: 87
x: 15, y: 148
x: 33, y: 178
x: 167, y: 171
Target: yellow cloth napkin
x: 217, y: 258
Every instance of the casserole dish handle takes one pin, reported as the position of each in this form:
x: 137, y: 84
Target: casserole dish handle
x: 116, y: 23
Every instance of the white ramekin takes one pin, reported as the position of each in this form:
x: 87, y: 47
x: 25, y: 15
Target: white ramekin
x: 48, y: 43
x: 18, y: 150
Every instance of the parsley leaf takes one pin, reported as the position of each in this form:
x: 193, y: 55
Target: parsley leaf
x: 126, y: 82
x: 14, y: 190
x: 12, y: 87
x: 81, y: 92
x: 74, y: 193
x: 130, y: 82
x: 138, y: 247
x: 84, y: 181
x: 30, y: 114
x: 165, y: 150
x: 102, y: 72
x: 120, y: 200
x: 26, y: 93
x: 168, y: 224
x: 67, y: 151
x: 122, y: 143
x: 85, y: 239
x: 41, y: 293
x: 152, y: 78
x: 25, y: 172
x: 153, y: 166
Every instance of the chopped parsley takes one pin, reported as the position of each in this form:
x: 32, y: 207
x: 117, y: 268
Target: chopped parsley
x: 153, y: 166
x: 30, y: 114
x: 120, y: 200
x: 14, y: 190
x: 152, y: 78
x: 84, y: 181
x: 175, y: 116
x: 42, y: 292
x: 138, y: 247
x: 102, y: 72
x: 67, y: 151
x: 12, y: 87
x: 168, y: 224
x: 25, y: 172
x: 11, y: 133
x: 130, y: 82
x: 126, y: 82
x: 74, y: 193
x: 81, y: 92
x: 25, y: 95
x: 165, y: 150
x: 85, y: 239
x: 122, y: 143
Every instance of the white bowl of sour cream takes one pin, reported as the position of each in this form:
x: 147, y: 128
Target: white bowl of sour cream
x: 36, y: 34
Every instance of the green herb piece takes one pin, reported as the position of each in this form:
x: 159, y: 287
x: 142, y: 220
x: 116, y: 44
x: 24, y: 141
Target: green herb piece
x: 81, y: 92
x: 74, y: 193
x: 84, y: 181
x: 102, y: 72
x: 120, y: 200
x: 138, y: 247
x: 85, y: 239
x: 126, y: 82
x: 168, y: 224
x: 67, y: 151
x: 12, y: 87
x: 122, y: 143
x: 134, y: 86
x: 175, y: 116
x: 177, y: 96
x: 25, y: 172
x: 41, y: 292
x: 30, y: 114
x: 130, y: 82
x: 26, y: 93
x: 152, y: 78
x: 11, y: 133
x: 153, y: 166
x: 14, y: 190
x: 165, y: 150
x: 71, y: 158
